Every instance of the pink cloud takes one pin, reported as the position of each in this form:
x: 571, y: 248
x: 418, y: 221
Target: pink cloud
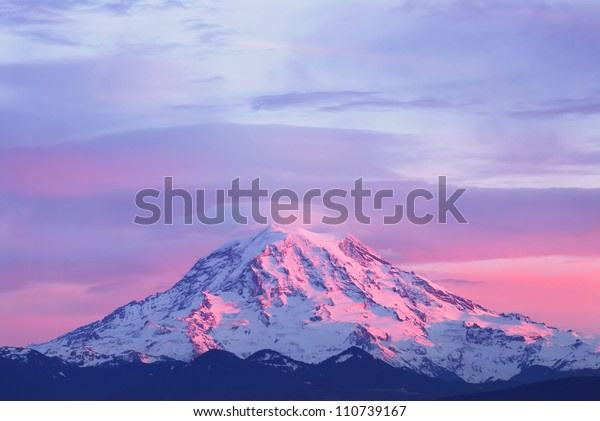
x: 562, y: 291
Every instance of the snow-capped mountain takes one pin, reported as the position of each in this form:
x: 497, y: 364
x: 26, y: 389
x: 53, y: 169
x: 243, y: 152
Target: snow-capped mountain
x: 310, y: 296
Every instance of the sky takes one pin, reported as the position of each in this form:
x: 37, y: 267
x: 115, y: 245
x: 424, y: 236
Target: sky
x: 99, y: 99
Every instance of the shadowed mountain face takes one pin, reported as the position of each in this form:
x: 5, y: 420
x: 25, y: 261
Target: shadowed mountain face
x: 267, y: 375
x: 311, y: 296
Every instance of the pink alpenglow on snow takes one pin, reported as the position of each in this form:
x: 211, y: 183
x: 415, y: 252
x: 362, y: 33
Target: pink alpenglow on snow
x: 310, y: 296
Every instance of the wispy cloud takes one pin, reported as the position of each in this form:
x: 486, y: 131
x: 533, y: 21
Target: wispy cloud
x: 343, y: 100
x: 48, y: 37
x: 561, y: 107
x: 452, y: 281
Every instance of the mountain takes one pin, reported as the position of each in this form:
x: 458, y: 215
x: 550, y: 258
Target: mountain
x: 28, y: 374
x: 351, y: 375
x: 224, y: 376
x: 310, y: 296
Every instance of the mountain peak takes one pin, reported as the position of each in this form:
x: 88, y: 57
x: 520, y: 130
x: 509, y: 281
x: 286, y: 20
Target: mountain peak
x: 271, y: 235
x: 352, y: 353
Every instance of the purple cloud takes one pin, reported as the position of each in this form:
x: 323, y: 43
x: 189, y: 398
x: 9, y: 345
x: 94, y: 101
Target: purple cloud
x: 561, y: 107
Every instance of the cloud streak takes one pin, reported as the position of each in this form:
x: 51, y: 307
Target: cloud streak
x: 342, y: 101
x: 560, y: 108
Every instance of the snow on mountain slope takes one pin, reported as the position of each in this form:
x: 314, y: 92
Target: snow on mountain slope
x: 16, y: 353
x: 309, y: 296
x: 272, y: 358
